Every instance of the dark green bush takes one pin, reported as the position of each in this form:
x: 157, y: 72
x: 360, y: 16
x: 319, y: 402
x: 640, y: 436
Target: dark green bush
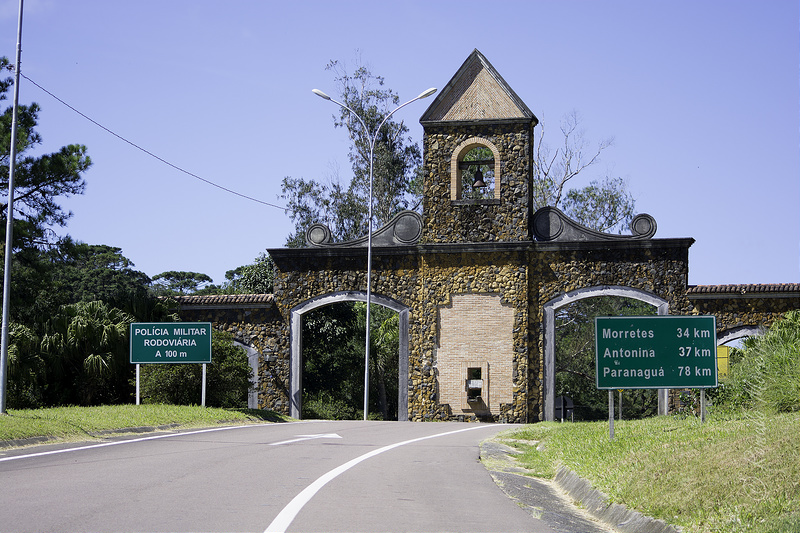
x: 765, y: 373
x: 228, y: 378
x: 323, y: 405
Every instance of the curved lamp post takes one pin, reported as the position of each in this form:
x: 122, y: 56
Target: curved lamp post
x: 372, y: 140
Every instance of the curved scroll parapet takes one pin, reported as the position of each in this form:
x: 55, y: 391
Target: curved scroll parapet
x: 551, y: 224
x: 403, y: 230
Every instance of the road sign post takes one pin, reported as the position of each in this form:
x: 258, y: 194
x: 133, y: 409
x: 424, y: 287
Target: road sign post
x: 170, y: 343
x: 655, y: 352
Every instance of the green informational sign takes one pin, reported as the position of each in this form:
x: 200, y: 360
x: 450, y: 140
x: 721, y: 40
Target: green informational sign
x: 656, y: 352
x: 171, y: 342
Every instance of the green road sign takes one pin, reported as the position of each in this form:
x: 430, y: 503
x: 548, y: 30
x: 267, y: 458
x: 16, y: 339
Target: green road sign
x: 171, y: 342
x: 656, y: 352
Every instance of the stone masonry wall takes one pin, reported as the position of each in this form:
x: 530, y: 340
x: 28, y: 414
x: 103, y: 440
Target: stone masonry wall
x: 738, y: 311
x: 464, y: 221
x: 426, y: 280
x: 423, y: 282
x: 429, y: 280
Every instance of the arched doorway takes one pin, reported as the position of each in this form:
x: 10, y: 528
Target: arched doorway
x: 548, y: 319
x: 733, y: 334
x: 296, y: 342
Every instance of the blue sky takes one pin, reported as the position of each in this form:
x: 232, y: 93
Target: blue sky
x: 701, y: 97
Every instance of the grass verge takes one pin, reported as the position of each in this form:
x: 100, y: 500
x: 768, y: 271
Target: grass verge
x: 733, y: 473
x: 84, y: 423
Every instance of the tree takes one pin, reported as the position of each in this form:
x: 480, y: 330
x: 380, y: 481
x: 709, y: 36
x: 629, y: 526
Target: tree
x: 39, y: 181
x: 177, y: 282
x: 396, y: 180
x: 255, y: 278
x: 333, y: 362
x: 88, y: 272
x: 603, y: 205
x: 384, y: 360
x: 85, y: 347
x: 26, y: 368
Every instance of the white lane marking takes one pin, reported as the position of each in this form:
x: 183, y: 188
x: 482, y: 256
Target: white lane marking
x: 118, y: 442
x: 307, y: 437
x: 288, y: 513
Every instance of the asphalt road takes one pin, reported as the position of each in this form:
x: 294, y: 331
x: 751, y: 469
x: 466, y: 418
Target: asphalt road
x: 311, y: 476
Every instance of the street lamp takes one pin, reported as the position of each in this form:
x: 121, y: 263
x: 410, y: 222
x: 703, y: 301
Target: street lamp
x: 372, y: 140
x: 9, y: 225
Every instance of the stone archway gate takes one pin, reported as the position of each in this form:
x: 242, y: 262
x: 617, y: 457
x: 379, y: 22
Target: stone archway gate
x: 477, y: 273
x: 255, y: 323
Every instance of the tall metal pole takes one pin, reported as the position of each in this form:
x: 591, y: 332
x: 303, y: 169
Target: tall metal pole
x: 10, y: 223
x: 372, y: 140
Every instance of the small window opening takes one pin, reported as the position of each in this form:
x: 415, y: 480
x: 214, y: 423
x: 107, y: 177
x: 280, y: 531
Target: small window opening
x: 477, y: 174
x: 474, y: 384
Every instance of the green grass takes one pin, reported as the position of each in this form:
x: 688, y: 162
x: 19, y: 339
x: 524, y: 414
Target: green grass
x: 733, y: 473
x: 84, y: 423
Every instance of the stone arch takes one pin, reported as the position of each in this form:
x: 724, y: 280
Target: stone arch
x: 732, y: 334
x: 296, y: 344
x: 548, y: 326
x: 459, y: 153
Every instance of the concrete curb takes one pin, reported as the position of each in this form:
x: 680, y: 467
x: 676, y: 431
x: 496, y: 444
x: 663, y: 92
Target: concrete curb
x: 499, y: 459
x: 596, y: 503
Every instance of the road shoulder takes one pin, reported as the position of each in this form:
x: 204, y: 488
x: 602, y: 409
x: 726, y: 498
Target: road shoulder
x: 568, y: 503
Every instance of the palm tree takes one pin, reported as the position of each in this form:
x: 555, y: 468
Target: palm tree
x: 86, y: 347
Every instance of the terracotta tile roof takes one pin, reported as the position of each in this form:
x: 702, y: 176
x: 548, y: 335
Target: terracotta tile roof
x: 233, y: 300
x: 745, y: 289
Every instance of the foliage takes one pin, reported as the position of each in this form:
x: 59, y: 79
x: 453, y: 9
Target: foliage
x: 45, y: 279
x: 384, y: 358
x: 396, y: 183
x: 26, y: 368
x: 575, y: 358
x: 85, y: 347
x: 255, y: 278
x: 396, y: 158
x: 88, y: 272
x: 333, y: 361
x: 178, y: 282
x: 326, y: 405
x: 765, y: 373
x: 78, y: 295
x: 228, y: 378
x: 603, y: 205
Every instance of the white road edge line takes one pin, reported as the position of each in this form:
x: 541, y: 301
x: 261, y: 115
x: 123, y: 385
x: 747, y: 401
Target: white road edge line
x: 281, y: 522
x: 118, y: 442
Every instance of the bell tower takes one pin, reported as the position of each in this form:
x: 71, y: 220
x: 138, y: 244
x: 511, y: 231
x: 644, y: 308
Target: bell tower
x: 477, y: 149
